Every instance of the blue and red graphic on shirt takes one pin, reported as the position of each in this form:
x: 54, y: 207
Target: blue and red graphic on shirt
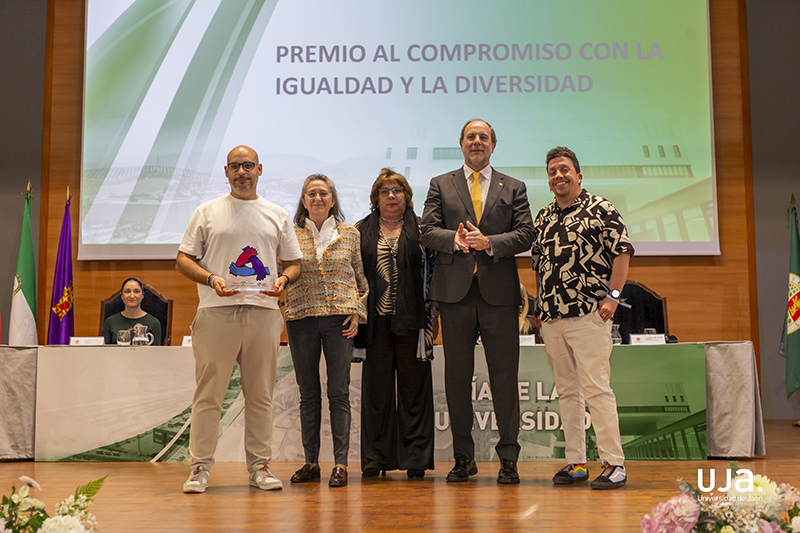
x: 249, y: 256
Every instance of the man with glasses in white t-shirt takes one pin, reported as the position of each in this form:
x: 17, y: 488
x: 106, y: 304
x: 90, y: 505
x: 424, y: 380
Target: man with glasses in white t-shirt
x: 231, y: 249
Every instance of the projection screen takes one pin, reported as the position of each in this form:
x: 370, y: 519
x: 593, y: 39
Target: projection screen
x: 346, y: 88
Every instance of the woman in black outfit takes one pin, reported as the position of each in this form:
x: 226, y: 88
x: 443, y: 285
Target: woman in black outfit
x: 396, y: 422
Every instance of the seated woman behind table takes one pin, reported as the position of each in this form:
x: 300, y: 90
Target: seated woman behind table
x: 132, y: 295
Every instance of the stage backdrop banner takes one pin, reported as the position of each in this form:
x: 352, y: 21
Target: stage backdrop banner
x: 134, y: 404
x: 346, y: 88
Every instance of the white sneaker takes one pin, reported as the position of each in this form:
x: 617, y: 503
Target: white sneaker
x: 264, y: 480
x: 198, y: 480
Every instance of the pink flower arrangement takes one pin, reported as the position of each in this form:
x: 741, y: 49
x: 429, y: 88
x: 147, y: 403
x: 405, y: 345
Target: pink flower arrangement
x: 696, y: 512
x: 678, y: 515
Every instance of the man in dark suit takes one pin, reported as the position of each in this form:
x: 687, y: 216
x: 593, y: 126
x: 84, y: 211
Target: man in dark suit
x: 478, y: 219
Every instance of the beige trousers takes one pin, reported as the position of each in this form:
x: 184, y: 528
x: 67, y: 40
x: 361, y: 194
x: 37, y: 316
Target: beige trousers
x: 579, y: 350
x: 250, y: 336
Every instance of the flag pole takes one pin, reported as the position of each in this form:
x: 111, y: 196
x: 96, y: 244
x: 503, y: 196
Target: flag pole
x: 792, y: 203
x: 22, y: 321
x: 62, y: 312
x: 790, y: 336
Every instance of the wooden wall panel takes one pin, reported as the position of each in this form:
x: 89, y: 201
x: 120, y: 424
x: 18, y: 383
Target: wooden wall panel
x: 92, y: 280
x: 709, y: 298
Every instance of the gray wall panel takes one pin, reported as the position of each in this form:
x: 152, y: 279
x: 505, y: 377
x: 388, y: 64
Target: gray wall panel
x: 23, y: 28
x: 774, y: 58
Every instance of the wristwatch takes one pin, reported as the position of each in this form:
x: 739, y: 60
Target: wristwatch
x: 614, y: 294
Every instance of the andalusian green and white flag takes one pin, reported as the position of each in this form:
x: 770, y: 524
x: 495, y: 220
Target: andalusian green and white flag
x: 22, y: 326
x: 790, y: 343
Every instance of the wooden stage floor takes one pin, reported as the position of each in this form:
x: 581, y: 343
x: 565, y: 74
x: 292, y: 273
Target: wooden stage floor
x: 147, y: 497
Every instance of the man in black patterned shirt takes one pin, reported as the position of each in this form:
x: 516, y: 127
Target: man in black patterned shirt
x: 581, y: 253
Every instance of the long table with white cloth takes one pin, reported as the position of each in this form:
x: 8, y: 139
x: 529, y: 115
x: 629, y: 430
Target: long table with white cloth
x: 115, y: 403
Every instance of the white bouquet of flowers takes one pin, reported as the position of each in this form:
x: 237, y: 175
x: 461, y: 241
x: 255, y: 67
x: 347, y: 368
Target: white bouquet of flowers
x: 20, y: 513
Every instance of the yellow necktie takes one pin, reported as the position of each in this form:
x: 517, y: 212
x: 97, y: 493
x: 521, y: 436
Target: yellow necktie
x: 475, y: 194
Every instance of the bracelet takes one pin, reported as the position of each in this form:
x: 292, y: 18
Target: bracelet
x: 210, y: 280
x: 288, y: 280
x: 620, y: 301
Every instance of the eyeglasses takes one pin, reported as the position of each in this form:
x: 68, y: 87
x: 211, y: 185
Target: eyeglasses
x: 397, y: 191
x: 247, y: 165
x: 314, y: 194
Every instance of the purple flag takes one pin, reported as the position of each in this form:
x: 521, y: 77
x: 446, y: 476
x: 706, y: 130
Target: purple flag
x: 62, y: 315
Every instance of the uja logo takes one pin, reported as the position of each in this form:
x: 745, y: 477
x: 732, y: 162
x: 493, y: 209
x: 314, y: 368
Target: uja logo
x: 743, y: 481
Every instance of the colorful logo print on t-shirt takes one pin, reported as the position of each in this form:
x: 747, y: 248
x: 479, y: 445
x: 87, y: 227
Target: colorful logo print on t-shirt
x: 248, y: 264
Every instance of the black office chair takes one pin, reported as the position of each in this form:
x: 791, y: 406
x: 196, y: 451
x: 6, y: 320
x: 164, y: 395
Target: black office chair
x: 648, y: 310
x: 153, y: 303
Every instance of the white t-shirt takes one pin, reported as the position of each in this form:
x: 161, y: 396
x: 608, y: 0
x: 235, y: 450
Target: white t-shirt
x: 240, y: 240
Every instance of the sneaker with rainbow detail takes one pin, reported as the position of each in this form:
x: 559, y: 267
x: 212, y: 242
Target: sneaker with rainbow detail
x: 572, y: 473
x: 613, y: 477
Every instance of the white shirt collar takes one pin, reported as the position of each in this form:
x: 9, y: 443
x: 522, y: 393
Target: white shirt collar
x: 486, y: 172
x: 324, y: 236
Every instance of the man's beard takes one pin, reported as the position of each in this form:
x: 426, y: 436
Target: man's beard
x: 243, y: 189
